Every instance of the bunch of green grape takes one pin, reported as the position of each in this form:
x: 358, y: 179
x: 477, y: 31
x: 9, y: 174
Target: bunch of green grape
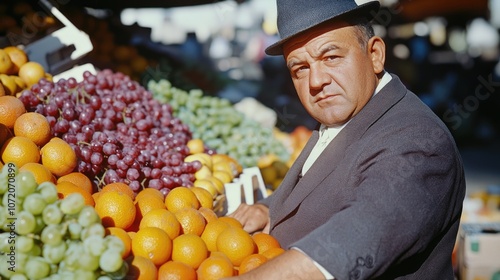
x: 44, y: 237
x: 219, y: 124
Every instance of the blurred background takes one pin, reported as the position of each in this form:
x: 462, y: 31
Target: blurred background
x: 447, y: 52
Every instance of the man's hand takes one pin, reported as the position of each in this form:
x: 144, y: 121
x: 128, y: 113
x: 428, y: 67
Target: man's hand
x: 253, y: 217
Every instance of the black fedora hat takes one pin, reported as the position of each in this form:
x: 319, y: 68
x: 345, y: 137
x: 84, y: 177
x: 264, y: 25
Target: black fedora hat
x: 297, y: 16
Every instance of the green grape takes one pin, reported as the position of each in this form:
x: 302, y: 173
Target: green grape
x: 104, y: 277
x: 89, y: 262
x: 21, y: 259
x: 4, y: 241
x: 40, y: 225
x: 13, y: 204
x: 3, y: 216
x: 95, y: 229
x: 72, y: 257
x: 94, y: 245
x: 88, y: 216
x: 36, y: 250
x: 37, y: 268
x: 24, y: 244
x: 110, y: 261
x: 26, y: 223
x: 54, y: 254
x: 34, y: 203
x: 4, y: 267
x: 48, y: 191
x: 52, y: 215
x: 67, y: 275
x: 26, y: 184
x: 114, y: 243
x: 18, y: 276
x: 75, y: 230
x: 52, y: 235
x: 4, y: 183
x: 72, y: 204
x: 121, y: 273
x: 81, y: 274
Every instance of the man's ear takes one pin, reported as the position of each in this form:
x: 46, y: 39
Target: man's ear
x: 376, y: 49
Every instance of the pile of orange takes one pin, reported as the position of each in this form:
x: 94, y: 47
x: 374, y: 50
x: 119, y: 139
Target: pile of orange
x: 175, y: 236
x: 26, y: 139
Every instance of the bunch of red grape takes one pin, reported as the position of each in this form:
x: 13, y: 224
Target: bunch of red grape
x: 118, y: 131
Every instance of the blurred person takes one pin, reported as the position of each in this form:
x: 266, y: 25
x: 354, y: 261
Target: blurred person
x: 377, y: 191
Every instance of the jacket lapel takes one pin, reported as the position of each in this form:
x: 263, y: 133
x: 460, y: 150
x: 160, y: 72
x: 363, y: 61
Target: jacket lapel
x: 290, y: 180
x: 295, y: 192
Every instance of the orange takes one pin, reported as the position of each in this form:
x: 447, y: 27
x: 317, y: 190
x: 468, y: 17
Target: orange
x: 5, y: 62
x: 79, y: 179
x: 204, y: 197
x: 58, y: 157
x: 195, y: 146
x: 273, y: 252
x: 204, y: 172
x: 232, y: 221
x: 173, y: 270
x: 20, y: 150
x: 115, y: 209
x: 125, y: 238
x: 66, y: 188
x: 191, y: 221
x: 152, y: 243
x: 211, y: 232
x: 208, y: 214
x: 131, y: 234
x: 215, y: 267
x: 142, y: 268
x: 146, y: 203
x: 251, y: 262
x: 9, y: 84
x: 95, y: 196
x: 10, y: 109
x: 218, y: 184
x: 162, y: 219
x: 224, y: 176
x: 120, y: 187
x: 41, y: 173
x: 33, y: 126
x: 236, y: 244
x: 190, y: 249
x: 236, y: 167
x: 265, y: 241
x: 149, y: 191
x: 208, y: 185
x: 31, y: 72
x: 181, y: 197
x: 18, y: 58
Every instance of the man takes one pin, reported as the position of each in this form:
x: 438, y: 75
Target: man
x: 377, y: 191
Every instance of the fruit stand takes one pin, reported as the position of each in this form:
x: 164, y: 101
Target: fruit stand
x: 105, y: 178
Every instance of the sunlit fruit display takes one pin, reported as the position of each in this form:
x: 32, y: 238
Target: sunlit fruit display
x: 219, y: 124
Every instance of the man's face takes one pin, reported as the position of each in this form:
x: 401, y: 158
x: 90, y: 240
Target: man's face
x: 333, y: 75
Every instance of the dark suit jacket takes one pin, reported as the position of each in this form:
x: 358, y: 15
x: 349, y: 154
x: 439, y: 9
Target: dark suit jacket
x: 385, y: 198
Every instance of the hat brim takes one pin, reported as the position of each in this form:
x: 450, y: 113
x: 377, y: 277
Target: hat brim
x: 368, y: 10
